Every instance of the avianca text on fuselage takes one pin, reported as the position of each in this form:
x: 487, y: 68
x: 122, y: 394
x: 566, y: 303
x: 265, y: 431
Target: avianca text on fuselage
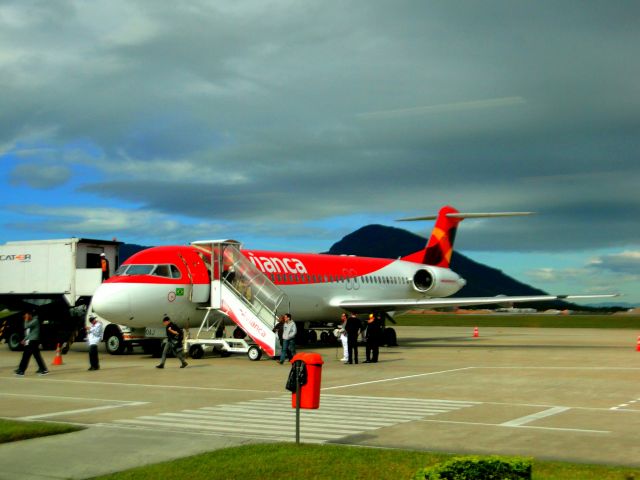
x: 277, y: 265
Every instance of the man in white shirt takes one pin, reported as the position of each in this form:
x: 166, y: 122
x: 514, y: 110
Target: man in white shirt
x: 94, y: 336
x: 342, y: 332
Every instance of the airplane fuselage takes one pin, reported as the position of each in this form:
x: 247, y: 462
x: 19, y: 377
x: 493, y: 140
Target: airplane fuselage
x: 175, y: 281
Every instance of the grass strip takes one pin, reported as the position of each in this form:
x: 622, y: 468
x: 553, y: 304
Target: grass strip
x: 286, y: 461
x: 517, y: 320
x: 12, y: 430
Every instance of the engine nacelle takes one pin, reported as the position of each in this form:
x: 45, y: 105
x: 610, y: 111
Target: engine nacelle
x: 437, y: 282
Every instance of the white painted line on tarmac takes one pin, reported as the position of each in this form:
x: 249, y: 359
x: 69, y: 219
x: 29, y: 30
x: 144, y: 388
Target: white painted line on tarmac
x: 630, y: 403
x: 176, y: 387
x: 529, y: 367
x: 534, y: 416
x: 61, y: 397
x: 82, y: 410
x: 397, y: 378
x: 580, y: 430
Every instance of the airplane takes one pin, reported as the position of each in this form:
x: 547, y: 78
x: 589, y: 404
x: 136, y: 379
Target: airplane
x: 177, y: 281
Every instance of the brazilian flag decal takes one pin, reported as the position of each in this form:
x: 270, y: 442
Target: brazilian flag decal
x: 179, y: 292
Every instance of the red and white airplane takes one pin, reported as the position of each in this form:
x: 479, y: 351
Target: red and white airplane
x: 176, y: 281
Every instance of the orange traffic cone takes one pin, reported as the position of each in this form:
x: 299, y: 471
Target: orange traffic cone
x: 475, y: 332
x: 638, y: 345
x: 58, y: 358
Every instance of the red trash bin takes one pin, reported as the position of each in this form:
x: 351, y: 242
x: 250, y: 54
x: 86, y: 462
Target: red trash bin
x: 309, y: 392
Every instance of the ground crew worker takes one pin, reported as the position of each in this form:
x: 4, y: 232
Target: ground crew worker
x: 173, y: 343
x: 94, y: 336
x: 374, y: 326
x: 104, y: 266
x: 353, y: 328
x: 31, y: 344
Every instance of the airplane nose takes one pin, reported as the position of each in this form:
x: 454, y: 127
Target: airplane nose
x: 112, y: 301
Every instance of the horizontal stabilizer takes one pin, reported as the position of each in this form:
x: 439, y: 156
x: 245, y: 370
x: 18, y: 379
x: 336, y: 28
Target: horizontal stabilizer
x: 467, y: 215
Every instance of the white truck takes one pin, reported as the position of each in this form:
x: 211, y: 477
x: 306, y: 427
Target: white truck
x: 59, y: 278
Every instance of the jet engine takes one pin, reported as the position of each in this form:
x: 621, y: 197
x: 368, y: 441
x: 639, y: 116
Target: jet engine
x: 437, y: 282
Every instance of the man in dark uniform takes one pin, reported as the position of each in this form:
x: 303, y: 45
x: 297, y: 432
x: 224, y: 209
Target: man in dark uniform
x: 374, y: 327
x: 353, y: 328
x: 174, y: 343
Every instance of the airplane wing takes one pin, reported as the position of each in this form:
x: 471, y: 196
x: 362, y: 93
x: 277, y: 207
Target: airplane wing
x: 404, y: 304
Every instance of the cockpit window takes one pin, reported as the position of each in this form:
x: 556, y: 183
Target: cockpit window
x: 162, y: 271
x: 122, y: 269
x: 139, y: 269
x: 168, y: 271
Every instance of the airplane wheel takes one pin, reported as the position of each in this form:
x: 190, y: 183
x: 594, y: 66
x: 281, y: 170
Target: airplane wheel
x: 390, y: 338
x: 324, y: 337
x: 196, y: 351
x: 254, y: 353
x: 14, y: 341
x: 312, y: 336
x: 152, y: 347
x: 113, y: 341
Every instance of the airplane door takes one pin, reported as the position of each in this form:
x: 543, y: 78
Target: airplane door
x: 198, y: 292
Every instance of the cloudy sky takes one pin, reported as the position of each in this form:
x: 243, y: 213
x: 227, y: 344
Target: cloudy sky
x: 288, y: 124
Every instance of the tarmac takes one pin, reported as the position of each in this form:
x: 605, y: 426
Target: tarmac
x: 554, y: 394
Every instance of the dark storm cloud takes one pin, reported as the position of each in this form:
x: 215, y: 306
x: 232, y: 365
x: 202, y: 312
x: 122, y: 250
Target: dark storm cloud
x: 39, y: 176
x: 625, y: 263
x: 308, y: 110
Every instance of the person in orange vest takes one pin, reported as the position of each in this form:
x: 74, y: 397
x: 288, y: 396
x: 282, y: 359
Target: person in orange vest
x: 104, y: 265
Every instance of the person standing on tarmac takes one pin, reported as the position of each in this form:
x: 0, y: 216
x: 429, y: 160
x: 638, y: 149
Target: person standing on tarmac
x: 373, y: 338
x: 104, y: 266
x: 289, y: 332
x: 31, y: 344
x: 94, y: 336
x: 278, y: 329
x: 353, y: 328
x: 342, y: 332
x: 173, y: 343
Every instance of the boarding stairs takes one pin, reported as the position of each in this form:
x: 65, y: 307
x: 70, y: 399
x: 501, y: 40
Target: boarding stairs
x: 243, y: 294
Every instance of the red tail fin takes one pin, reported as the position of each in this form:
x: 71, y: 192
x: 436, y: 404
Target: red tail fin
x: 440, y: 246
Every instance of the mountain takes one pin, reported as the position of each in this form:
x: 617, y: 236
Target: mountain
x: 128, y: 249
x: 482, y: 281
